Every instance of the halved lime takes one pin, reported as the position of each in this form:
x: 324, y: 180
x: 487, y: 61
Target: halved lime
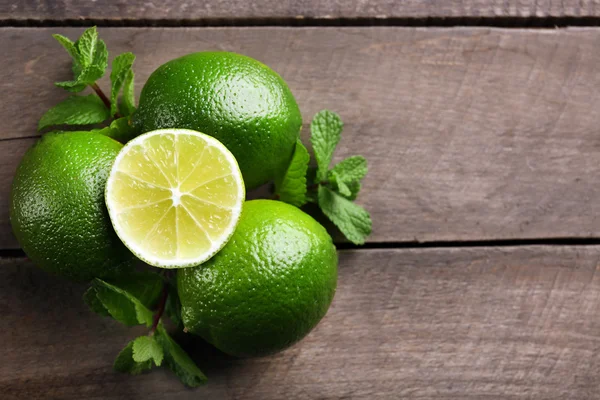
x: 174, y: 197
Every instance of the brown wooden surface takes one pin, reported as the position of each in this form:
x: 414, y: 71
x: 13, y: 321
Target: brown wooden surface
x: 276, y: 9
x: 493, y: 323
x: 470, y: 133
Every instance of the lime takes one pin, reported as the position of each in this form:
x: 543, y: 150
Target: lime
x: 234, y: 98
x: 268, y: 287
x: 57, y: 206
x: 174, y: 197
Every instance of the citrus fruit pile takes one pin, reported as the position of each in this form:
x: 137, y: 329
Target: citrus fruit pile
x: 253, y: 277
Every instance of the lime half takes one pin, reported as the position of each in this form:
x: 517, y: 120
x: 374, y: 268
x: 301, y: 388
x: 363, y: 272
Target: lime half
x: 174, y: 197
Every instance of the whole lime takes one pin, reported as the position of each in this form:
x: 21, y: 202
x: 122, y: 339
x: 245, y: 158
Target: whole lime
x: 268, y: 287
x: 57, y: 208
x: 236, y: 99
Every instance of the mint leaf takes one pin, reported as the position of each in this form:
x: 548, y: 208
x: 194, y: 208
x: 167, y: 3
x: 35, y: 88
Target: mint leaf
x: 178, y: 360
x: 311, y: 182
x: 127, y: 105
x: 121, y: 67
x: 351, y: 189
x: 342, y: 188
x: 86, y: 45
x: 326, y: 129
x: 291, y: 188
x: 351, y: 219
x: 120, y: 130
x: 147, y: 348
x: 72, y: 50
x: 92, y: 50
x: 90, y: 298
x: 144, y: 286
x: 90, y: 58
x: 75, y: 110
x: 173, y: 307
x: 90, y: 74
x: 348, y: 173
x: 100, y: 59
x: 122, y: 305
x: 87, y: 76
x: 71, y: 86
x: 125, y: 362
x: 351, y: 169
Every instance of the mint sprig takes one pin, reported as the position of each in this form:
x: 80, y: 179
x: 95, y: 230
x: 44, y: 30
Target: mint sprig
x: 335, y: 189
x: 350, y: 218
x: 90, y: 60
x: 157, y: 347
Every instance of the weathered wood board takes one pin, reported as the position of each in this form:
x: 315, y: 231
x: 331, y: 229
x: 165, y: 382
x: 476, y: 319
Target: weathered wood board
x: 470, y: 133
x: 273, y: 10
x: 454, y: 323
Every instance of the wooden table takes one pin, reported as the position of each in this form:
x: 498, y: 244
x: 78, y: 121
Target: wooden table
x: 481, y: 123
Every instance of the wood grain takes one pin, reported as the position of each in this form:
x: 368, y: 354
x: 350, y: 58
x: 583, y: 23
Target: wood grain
x: 230, y: 10
x: 494, y: 323
x: 470, y: 133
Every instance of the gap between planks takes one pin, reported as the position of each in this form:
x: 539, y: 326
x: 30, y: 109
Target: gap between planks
x: 505, y: 13
x: 474, y: 244
x: 508, y: 22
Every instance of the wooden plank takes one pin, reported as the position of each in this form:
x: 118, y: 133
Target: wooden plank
x: 470, y: 323
x: 470, y: 133
x: 229, y: 10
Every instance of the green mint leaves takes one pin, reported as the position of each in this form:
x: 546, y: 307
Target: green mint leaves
x: 121, y: 305
x: 325, y: 133
x: 126, y: 364
x: 335, y: 189
x: 351, y: 219
x: 130, y: 302
x: 90, y: 60
x: 345, y: 177
x: 291, y: 188
x: 339, y: 186
x: 146, y: 348
x: 122, y: 77
x: 75, y: 110
x: 178, y: 361
x: 159, y: 349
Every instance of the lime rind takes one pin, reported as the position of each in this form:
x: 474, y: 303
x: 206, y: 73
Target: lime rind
x: 216, y: 243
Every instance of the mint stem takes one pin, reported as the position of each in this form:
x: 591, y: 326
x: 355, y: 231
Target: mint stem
x: 161, y: 308
x: 102, y: 96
